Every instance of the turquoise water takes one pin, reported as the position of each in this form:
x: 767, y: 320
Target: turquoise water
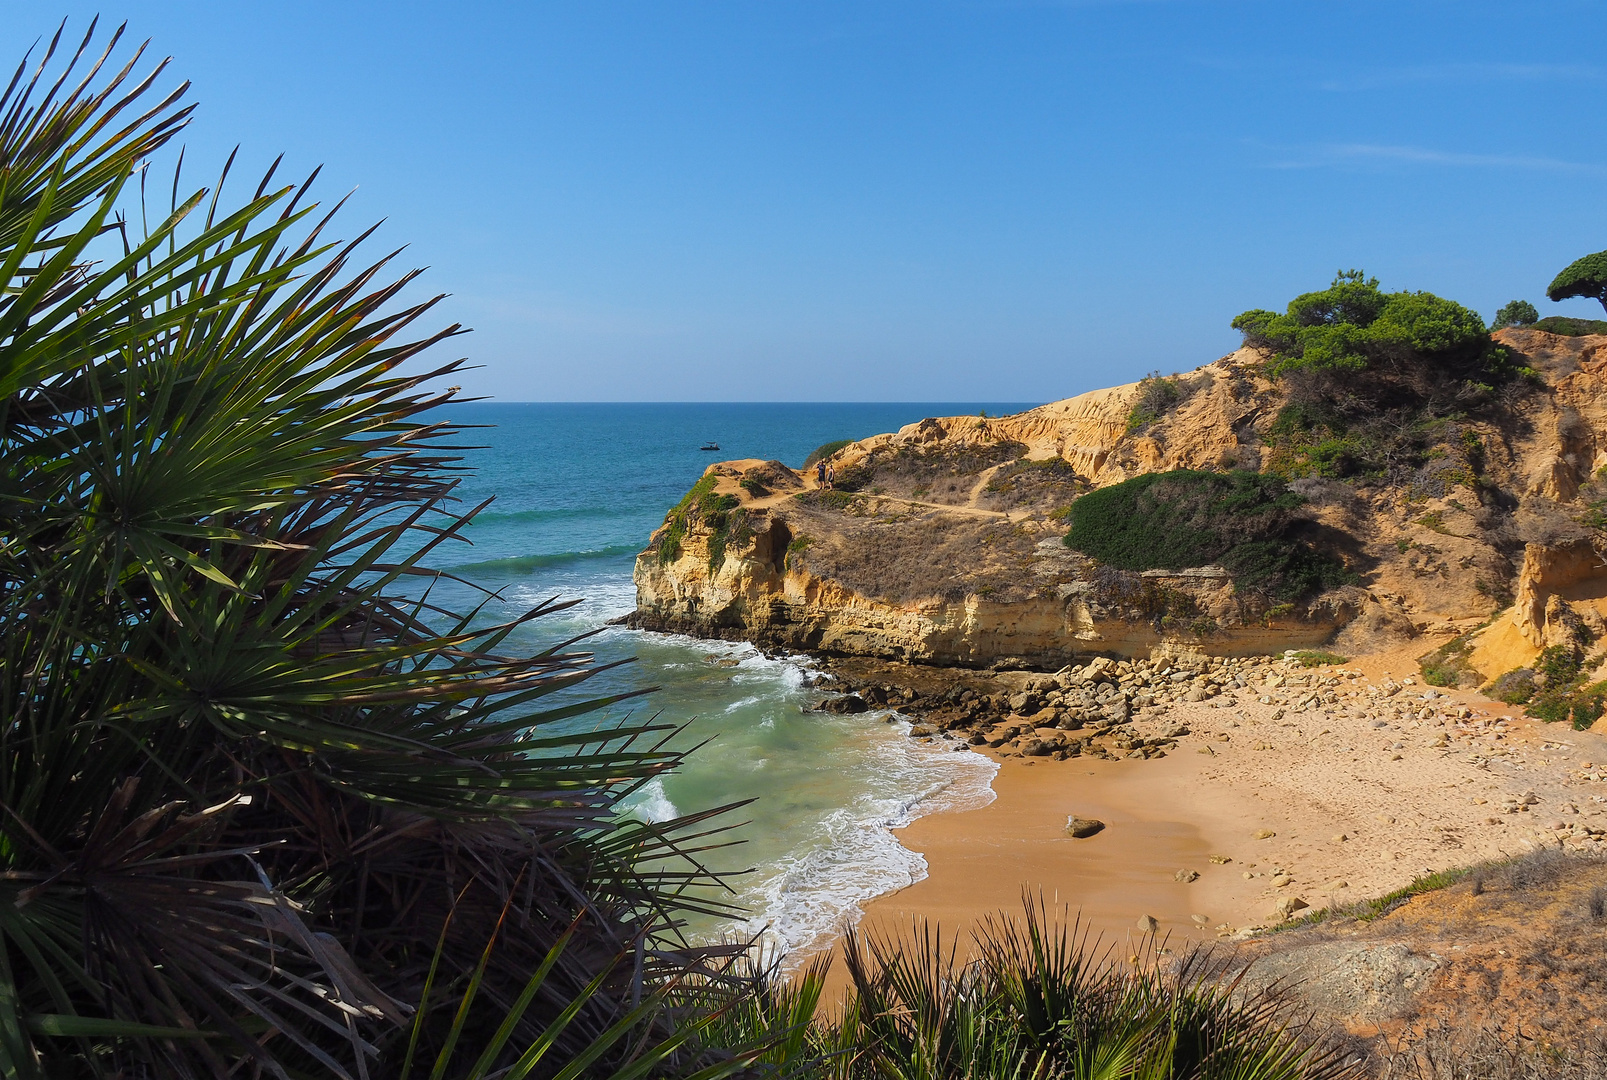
x: 578, y: 488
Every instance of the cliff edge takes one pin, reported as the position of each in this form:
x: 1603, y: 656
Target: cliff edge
x: 943, y: 542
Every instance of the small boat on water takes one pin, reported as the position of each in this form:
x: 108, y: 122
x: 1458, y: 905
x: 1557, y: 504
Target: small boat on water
x: 710, y: 446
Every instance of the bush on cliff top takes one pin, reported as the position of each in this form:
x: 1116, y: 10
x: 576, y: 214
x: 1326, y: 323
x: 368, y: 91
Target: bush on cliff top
x: 1175, y: 520
x: 1156, y: 396
x: 825, y: 450
x: 1515, y: 313
x: 1563, y: 326
x: 1379, y: 385
x: 1353, y: 326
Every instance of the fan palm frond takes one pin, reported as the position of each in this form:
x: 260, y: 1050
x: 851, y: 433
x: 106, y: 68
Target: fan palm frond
x: 249, y: 770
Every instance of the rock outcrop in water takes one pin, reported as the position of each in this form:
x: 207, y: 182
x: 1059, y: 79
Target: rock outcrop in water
x: 942, y: 543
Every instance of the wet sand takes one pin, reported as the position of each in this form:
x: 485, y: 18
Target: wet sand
x: 980, y: 860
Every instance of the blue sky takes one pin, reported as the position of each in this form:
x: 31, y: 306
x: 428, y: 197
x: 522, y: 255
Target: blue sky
x: 964, y: 200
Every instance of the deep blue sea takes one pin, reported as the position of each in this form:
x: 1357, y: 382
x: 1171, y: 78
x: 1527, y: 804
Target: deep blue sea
x: 577, y: 490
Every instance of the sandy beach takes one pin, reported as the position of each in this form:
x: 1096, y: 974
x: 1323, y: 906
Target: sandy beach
x: 1265, y: 799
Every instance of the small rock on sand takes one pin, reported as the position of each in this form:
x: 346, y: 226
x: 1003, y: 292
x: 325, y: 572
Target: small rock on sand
x: 1263, y: 834
x: 1187, y: 876
x: 1081, y: 827
x: 1148, y: 924
x: 1289, y: 905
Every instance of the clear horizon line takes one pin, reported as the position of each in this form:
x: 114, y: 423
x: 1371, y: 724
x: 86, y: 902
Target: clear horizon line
x: 722, y: 401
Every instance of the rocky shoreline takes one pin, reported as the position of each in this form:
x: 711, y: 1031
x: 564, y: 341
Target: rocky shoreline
x: 1106, y: 708
x: 1291, y: 714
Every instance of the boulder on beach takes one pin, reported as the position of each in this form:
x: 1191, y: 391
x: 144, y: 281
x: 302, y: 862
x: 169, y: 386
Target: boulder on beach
x: 1081, y: 827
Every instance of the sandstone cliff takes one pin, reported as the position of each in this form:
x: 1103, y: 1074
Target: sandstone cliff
x: 943, y: 544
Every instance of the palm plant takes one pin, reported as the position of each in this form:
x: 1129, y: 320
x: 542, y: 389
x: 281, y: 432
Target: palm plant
x: 1039, y: 1000
x: 262, y: 801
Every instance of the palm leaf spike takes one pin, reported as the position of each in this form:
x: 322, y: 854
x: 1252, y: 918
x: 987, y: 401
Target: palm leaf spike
x: 215, y: 489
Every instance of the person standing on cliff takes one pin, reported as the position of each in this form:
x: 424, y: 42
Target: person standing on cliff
x: 820, y: 474
x: 831, y: 478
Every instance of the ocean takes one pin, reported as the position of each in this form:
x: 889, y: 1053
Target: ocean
x: 577, y: 490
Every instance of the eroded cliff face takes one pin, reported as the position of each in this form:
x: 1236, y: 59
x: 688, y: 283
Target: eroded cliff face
x: 942, y: 543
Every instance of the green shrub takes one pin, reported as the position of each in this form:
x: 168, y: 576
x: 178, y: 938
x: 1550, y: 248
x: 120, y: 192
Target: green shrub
x: 1515, y: 313
x: 796, y: 550
x: 1553, y: 689
x: 1353, y: 326
x: 1589, y: 704
x: 1448, y: 665
x: 826, y: 500
x: 1174, y: 520
x: 700, y: 505
x: 1319, y: 438
x: 1566, y: 327
x: 753, y: 486
x: 1309, y: 440
x: 1561, y: 695
x: 1560, y: 664
x: 1156, y: 395
x: 1516, y: 687
x: 731, y: 530
x: 1579, y: 705
x: 825, y: 450
x: 1315, y: 658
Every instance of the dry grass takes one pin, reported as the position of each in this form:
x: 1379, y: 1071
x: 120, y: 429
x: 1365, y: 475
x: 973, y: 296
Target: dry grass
x: 941, y: 474
x: 1447, y: 1052
x: 1520, y: 991
x: 902, y: 557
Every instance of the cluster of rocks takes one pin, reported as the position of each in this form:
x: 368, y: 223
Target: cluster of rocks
x: 1088, y: 709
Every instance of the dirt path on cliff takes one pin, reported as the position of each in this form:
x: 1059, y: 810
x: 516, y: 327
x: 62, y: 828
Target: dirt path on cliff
x: 969, y: 509
x: 982, y: 481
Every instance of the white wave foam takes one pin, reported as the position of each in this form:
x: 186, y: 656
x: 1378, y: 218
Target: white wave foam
x: 852, y: 855
x: 602, y: 599
x: 818, y: 892
x: 651, y: 804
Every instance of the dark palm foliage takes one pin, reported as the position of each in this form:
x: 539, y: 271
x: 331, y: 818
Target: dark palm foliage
x: 259, y: 799
x: 1038, y: 1001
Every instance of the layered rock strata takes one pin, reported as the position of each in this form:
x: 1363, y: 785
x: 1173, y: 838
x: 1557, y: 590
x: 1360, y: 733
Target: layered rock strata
x: 943, y: 545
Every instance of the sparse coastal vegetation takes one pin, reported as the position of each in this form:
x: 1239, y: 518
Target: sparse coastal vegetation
x: 1397, y: 504
x: 1244, y: 723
